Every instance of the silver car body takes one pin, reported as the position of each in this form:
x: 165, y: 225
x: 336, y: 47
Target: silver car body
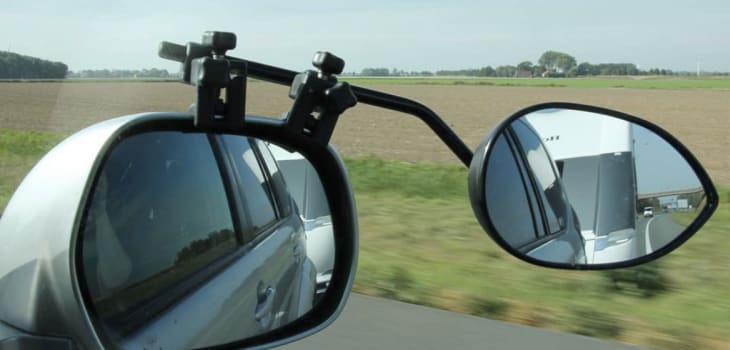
x: 306, y: 188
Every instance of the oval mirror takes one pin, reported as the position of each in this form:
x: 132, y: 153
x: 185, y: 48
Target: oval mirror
x: 193, y: 240
x: 571, y: 185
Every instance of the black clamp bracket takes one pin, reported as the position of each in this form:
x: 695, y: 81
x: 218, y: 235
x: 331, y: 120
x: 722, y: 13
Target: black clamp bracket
x: 206, y: 67
x: 319, y: 98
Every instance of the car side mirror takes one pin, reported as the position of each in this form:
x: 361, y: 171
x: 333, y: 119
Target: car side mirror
x: 179, y: 238
x: 576, y: 186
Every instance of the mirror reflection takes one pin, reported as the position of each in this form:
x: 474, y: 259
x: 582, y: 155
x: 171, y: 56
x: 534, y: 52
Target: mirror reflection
x: 308, y: 193
x: 233, y: 230
x: 576, y: 187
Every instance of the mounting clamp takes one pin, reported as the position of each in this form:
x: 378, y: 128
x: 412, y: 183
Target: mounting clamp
x: 319, y: 98
x: 206, y: 67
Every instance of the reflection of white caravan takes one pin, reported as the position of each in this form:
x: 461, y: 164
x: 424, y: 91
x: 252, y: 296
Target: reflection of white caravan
x: 594, y: 156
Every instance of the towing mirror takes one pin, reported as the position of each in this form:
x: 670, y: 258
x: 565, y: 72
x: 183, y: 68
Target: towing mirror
x: 179, y: 238
x: 575, y: 186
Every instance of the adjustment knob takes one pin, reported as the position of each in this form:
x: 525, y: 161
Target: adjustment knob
x: 328, y: 63
x: 172, y: 51
x: 220, y: 42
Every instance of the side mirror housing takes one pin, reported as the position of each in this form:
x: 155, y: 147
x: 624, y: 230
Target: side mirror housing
x: 574, y: 186
x: 141, y: 229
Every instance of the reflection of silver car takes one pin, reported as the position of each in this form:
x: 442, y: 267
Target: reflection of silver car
x: 306, y: 188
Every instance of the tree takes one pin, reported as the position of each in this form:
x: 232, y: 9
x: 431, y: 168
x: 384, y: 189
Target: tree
x: 617, y: 69
x: 525, y: 66
x: 506, y: 71
x: 15, y: 66
x: 558, y: 62
x: 375, y: 72
x: 487, y: 71
x: 586, y: 68
x: 538, y: 70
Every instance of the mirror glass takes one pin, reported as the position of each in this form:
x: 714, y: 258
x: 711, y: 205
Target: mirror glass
x: 577, y: 187
x: 192, y: 240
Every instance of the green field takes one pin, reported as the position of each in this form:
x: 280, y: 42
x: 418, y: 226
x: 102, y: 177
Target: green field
x: 608, y: 82
x: 420, y: 243
x: 19, y: 151
x: 633, y: 82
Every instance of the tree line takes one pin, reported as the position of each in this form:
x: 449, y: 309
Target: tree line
x: 202, y: 246
x: 550, y: 64
x: 16, y: 66
x: 121, y: 73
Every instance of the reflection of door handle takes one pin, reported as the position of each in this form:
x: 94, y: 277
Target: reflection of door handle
x: 265, y: 307
x: 297, y: 254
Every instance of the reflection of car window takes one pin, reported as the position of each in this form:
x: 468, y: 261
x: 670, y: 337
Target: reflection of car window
x: 268, y: 158
x: 511, y: 213
x: 277, y: 179
x: 158, y: 214
x: 543, y: 171
x: 303, y: 183
x: 316, y: 205
x: 257, y: 194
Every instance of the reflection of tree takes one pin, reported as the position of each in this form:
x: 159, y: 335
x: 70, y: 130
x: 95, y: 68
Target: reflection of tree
x: 694, y: 199
x: 202, y: 246
x: 131, y: 306
x: 647, y: 202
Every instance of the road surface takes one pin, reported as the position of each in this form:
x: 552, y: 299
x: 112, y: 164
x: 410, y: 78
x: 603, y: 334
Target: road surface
x: 655, y: 232
x: 374, y: 323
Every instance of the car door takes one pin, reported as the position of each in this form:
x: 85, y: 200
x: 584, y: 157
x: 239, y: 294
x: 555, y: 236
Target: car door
x: 307, y: 190
x: 561, y: 240
x: 286, y: 203
x: 177, y: 227
x: 273, y: 233
x: 533, y: 209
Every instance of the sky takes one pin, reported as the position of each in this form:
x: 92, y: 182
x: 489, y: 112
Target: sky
x: 659, y: 167
x: 407, y: 35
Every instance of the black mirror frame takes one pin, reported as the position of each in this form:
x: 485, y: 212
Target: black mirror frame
x: 477, y: 174
x: 338, y: 190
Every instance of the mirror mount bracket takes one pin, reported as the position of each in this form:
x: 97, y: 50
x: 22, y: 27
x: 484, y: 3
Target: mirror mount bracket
x: 319, y: 98
x: 206, y: 67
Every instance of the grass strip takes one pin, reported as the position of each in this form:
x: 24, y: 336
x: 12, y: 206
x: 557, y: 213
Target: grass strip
x: 612, y: 82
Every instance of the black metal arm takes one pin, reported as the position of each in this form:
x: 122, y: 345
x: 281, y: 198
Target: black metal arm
x: 378, y: 99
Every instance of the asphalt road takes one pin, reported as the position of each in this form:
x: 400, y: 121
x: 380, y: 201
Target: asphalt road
x: 374, y: 323
x: 654, y: 233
